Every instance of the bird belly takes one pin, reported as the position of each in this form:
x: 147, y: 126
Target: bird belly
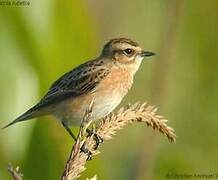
x: 104, y: 104
x: 71, y: 111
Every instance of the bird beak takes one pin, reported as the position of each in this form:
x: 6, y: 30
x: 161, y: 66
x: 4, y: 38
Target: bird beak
x: 147, y: 53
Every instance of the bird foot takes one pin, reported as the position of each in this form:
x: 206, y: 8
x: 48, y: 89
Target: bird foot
x: 87, y: 152
x: 98, y: 139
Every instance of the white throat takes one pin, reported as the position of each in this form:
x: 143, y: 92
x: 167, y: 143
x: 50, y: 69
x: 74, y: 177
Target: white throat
x: 135, y: 66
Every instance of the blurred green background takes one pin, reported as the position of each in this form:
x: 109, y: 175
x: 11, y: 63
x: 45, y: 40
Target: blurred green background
x: 40, y: 42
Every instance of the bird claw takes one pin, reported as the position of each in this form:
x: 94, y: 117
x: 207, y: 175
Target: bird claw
x: 98, y: 139
x: 87, y: 152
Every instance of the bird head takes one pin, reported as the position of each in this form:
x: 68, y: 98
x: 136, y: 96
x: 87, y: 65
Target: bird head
x: 125, y: 52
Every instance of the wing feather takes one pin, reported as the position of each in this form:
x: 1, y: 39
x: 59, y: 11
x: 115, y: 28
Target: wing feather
x: 81, y: 80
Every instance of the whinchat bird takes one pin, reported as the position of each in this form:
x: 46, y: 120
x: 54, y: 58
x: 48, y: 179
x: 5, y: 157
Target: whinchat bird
x: 106, y: 79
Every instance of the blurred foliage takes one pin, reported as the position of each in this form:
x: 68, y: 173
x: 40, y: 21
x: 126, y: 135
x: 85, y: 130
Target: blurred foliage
x: 40, y: 42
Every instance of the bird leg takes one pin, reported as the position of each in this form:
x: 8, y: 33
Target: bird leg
x: 69, y: 131
x: 83, y: 148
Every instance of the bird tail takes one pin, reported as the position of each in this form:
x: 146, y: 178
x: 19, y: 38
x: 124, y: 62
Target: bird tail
x: 31, y: 113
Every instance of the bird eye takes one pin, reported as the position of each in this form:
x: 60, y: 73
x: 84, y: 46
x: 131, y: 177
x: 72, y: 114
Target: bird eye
x: 128, y: 51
